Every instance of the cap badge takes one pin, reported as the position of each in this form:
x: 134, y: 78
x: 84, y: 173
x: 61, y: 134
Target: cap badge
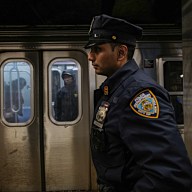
x: 96, y: 35
x: 114, y: 37
x: 145, y: 104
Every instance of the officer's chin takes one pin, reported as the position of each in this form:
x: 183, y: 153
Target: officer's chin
x: 98, y: 72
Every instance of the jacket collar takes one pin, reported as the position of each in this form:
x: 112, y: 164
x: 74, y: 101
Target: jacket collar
x: 111, y: 83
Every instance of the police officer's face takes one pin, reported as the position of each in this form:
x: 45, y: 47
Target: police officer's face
x: 104, y: 59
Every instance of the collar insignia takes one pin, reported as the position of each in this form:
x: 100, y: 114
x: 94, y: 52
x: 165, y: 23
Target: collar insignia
x: 145, y: 104
x: 106, y: 90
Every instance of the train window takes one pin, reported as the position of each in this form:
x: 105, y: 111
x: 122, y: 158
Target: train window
x: 65, y: 86
x: 17, y: 100
x: 173, y: 82
x: 173, y: 75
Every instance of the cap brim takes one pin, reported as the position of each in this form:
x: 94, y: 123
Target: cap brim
x: 92, y: 43
x: 89, y: 45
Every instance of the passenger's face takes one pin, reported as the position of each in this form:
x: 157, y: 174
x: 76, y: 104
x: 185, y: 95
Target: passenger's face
x: 104, y: 59
x: 68, y: 79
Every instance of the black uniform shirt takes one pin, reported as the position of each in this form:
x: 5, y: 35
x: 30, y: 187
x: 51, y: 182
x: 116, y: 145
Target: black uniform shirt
x: 135, y: 142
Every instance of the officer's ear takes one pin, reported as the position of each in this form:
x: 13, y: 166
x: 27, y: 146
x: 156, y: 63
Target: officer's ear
x: 122, y: 52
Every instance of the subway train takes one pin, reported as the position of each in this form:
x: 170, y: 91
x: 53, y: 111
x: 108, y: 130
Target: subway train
x: 38, y: 152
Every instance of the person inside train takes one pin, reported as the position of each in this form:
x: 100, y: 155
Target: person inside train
x: 13, y: 100
x: 66, y: 102
x: 135, y: 142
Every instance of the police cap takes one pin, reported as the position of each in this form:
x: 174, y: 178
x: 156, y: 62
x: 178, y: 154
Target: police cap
x: 105, y: 29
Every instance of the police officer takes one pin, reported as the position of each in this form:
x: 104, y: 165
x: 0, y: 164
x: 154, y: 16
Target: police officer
x: 135, y: 143
x: 66, y: 102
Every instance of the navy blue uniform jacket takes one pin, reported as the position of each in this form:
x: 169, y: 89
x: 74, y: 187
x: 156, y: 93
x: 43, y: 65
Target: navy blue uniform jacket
x: 136, y: 149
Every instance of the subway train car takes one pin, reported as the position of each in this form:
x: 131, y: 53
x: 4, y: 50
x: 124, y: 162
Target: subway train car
x: 38, y: 152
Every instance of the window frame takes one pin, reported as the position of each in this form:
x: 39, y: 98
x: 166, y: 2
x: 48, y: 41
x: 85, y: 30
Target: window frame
x: 3, y: 64
x: 79, y: 88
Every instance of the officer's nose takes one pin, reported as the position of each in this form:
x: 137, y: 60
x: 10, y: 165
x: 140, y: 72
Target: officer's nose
x: 91, y: 56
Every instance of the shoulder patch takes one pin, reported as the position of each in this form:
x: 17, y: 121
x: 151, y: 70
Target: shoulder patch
x: 145, y: 104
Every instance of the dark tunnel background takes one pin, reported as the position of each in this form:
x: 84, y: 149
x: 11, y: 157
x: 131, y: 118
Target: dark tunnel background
x: 75, y: 12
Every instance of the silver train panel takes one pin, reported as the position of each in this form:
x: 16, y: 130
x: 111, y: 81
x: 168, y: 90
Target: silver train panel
x: 20, y: 168
x: 147, y: 53
x: 67, y: 160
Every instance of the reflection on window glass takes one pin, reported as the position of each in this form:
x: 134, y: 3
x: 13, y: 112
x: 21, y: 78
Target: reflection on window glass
x: 64, y: 76
x: 17, y: 96
x: 173, y: 75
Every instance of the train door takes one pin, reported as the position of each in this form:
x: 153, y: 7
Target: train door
x: 20, y: 159
x: 40, y: 151
x: 67, y: 161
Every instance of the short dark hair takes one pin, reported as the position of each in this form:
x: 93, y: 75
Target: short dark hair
x: 131, y: 49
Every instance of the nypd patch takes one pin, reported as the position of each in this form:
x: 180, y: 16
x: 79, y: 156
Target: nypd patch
x: 145, y: 104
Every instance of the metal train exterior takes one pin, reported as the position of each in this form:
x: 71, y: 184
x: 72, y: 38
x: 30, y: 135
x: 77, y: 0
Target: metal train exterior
x: 39, y: 153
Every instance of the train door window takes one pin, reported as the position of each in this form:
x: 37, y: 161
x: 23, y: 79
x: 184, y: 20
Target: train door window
x: 65, y: 86
x: 173, y: 76
x: 17, y: 102
x: 173, y: 82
